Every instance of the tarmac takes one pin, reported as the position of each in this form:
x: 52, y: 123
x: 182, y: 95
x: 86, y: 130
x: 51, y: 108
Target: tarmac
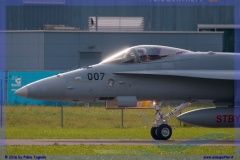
x: 46, y: 142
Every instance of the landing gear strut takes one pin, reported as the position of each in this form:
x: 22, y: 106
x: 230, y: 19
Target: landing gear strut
x: 160, y: 129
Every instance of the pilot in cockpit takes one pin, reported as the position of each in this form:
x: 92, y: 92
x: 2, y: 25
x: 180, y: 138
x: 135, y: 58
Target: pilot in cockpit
x: 142, y: 54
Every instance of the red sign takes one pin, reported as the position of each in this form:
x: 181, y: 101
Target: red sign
x: 228, y: 118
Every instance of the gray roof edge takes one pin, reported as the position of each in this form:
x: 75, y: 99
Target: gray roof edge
x: 125, y: 32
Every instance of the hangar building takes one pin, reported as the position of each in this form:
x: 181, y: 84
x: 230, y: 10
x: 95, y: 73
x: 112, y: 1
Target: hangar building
x: 61, y: 35
x: 67, y: 34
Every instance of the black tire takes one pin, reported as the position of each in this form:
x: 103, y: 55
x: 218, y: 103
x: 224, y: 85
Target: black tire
x: 164, y: 132
x: 154, y: 133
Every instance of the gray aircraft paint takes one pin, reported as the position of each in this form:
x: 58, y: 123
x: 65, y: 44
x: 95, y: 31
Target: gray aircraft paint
x: 188, y: 76
x: 192, y: 75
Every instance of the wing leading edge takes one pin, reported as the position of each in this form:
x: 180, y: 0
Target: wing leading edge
x: 207, y: 74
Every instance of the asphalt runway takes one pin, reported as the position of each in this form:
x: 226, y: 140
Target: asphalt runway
x: 10, y: 142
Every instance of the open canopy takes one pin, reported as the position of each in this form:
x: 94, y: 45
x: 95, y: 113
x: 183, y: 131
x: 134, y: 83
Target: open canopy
x: 144, y: 53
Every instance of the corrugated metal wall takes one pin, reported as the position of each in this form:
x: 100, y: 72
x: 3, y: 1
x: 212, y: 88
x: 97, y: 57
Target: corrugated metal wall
x: 17, y: 80
x: 27, y: 47
x: 157, y: 18
x: 60, y: 51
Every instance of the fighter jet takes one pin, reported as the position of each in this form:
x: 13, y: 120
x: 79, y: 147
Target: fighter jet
x: 151, y: 73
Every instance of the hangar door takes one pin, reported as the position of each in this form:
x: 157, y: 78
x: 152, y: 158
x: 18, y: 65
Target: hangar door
x: 89, y: 58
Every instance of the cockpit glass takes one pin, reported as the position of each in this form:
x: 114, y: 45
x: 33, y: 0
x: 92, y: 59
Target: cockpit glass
x: 118, y: 57
x: 146, y: 53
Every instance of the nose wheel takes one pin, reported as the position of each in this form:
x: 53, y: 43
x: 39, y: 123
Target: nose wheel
x: 162, y: 132
x: 160, y: 129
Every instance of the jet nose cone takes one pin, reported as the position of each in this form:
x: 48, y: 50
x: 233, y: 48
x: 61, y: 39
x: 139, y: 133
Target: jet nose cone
x: 51, y: 88
x: 23, y: 92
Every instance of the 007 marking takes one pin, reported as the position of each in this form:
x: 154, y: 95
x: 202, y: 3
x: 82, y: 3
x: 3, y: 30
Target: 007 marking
x: 95, y: 76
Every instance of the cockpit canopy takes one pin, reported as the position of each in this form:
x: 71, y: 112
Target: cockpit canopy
x: 145, y: 53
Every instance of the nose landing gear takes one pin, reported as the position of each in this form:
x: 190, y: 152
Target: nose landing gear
x: 161, y: 130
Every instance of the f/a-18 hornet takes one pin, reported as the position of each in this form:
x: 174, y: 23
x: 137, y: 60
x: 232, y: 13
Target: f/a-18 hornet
x: 151, y: 73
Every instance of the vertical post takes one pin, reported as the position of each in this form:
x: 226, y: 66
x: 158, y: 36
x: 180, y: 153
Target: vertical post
x: 122, y: 118
x: 1, y: 100
x: 96, y: 23
x: 119, y: 24
x: 62, y: 116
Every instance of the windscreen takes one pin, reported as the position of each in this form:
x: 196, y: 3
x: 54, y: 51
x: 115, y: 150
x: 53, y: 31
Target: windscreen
x: 147, y: 53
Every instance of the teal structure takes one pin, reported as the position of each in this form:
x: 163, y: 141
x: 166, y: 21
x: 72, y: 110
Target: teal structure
x: 17, y: 80
x: 2, y: 97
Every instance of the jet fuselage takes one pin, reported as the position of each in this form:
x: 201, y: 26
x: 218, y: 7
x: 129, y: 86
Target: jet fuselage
x: 108, y: 80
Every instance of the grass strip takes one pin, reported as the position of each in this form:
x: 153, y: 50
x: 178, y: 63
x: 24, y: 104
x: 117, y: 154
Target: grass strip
x: 118, y: 149
x: 116, y: 133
